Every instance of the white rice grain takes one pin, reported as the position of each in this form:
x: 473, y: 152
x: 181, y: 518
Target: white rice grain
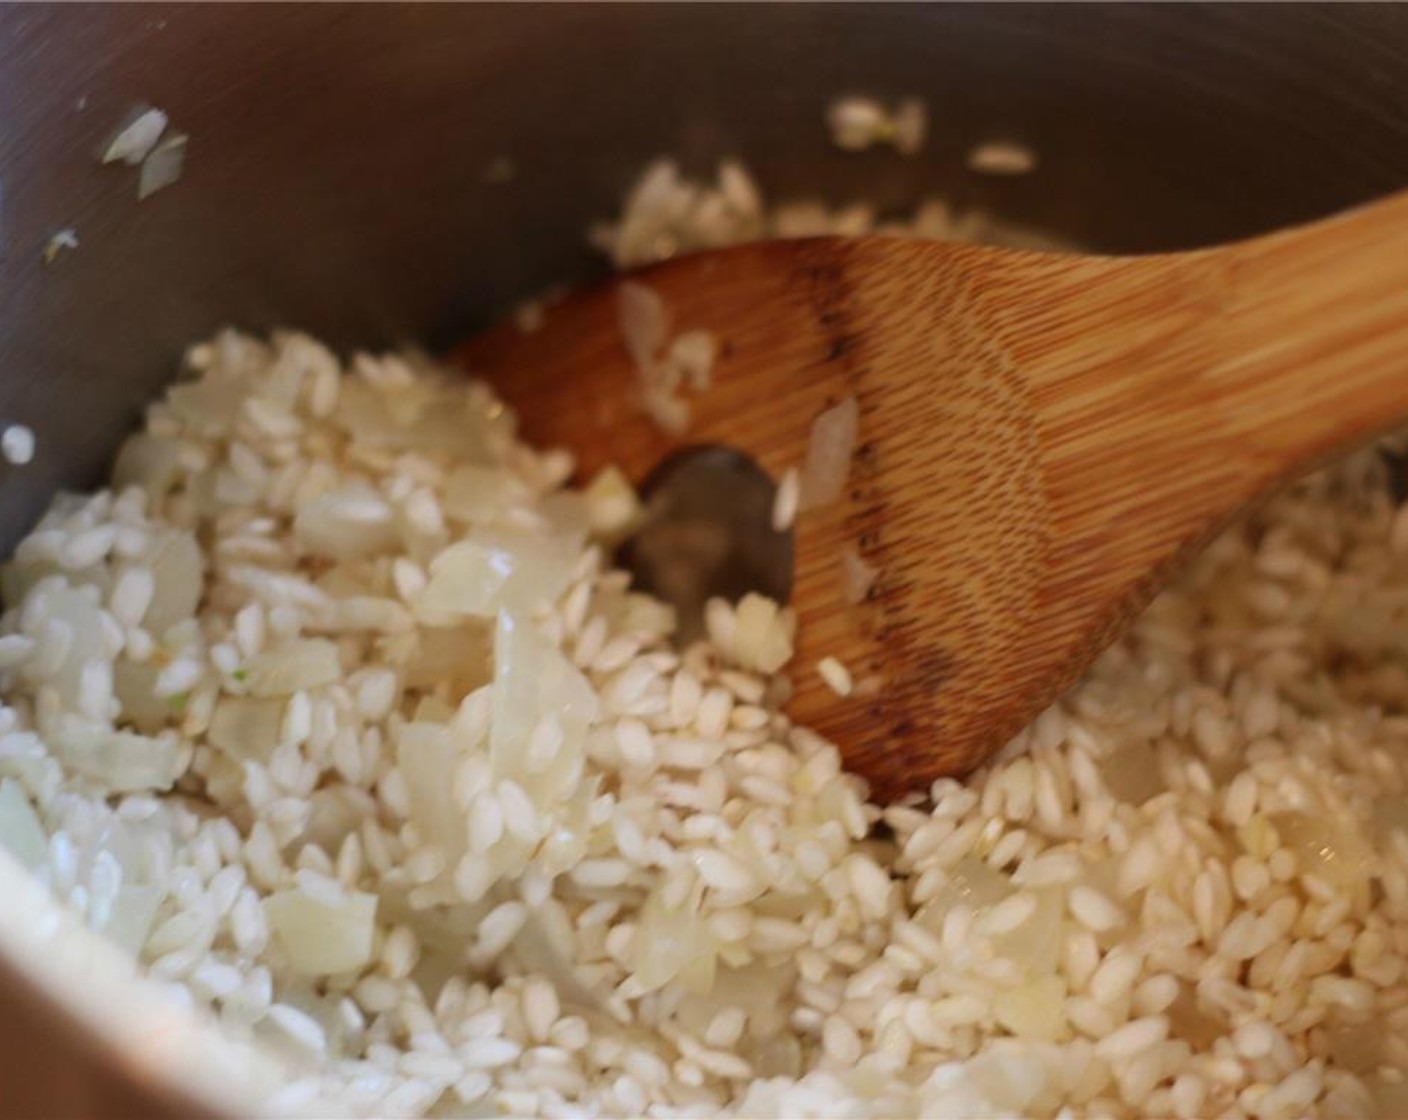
x: 786, y: 501
x: 836, y: 676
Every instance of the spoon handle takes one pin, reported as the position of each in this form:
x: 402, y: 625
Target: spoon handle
x: 1167, y: 392
x: 1311, y: 347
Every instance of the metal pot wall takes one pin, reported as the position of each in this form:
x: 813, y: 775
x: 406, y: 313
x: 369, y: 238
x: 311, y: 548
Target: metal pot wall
x: 337, y: 179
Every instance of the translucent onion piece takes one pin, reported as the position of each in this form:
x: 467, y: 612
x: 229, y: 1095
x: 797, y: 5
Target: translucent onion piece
x: 1036, y: 943
x: 479, y: 494
x: 84, y: 618
x: 346, y: 523
x: 671, y: 943
x: 1033, y: 1010
x: 612, y: 504
x: 162, y: 167
x: 1357, y: 1047
x: 829, y: 451
x: 1132, y: 773
x: 498, y: 569
x: 693, y: 353
x: 1190, y: 1022
x: 644, y: 323
x: 972, y: 883
x: 427, y: 755
x: 1009, y: 1081
x: 136, y: 138
x: 134, y: 685
x: 429, y: 416
x: 119, y: 761
x: 20, y: 830
x: 284, y: 670
x: 763, y: 634
x: 857, y: 577
x: 176, y: 563
x: 149, y: 461
x: 531, y: 680
x: 133, y: 914
x: 320, y: 937
x: 334, y: 812
x: 209, y: 406
x: 1329, y: 846
x: 459, y: 657
x: 247, y: 727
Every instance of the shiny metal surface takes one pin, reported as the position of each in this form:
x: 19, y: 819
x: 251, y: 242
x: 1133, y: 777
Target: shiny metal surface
x: 337, y: 179
x: 336, y: 176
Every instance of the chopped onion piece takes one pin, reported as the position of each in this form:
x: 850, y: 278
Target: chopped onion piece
x: 856, y: 123
x: 427, y: 754
x: 84, y: 620
x: 1009, y: 1082
x: 1359, y: 1047
x: 63, y: 239
x: 533, y: 679
x: 479, y: 494
x: 136, y: 138
x: 134, y: 685
x: 536, y: 950
x: 119, y: 761
x: 209, y: 405
x: 346, y: 523
x: 320, y: 937
x: 20, y: 830
x: 567, y: 515
x: 644, y: 323
x: 828, y: 463
x: 175, y: 560
x: 612, y: 504
x: 498, y: 569
x: 1002, y: 157
x: 673, y: 943
x: 133, y: 914
x: 1132, y: 773
x: 693, y: 353
x: 1033, y: 1010
x: 1191, y: 1022
x: 426, y: 415
x: 972, y: 883
x: 247, y: 727
x: 763, y: 633
x: 857, y: 577
x: 284, y: 670
x: 162, y: 167
x: 909, y: 126
x: 456, y: 656
x: 1389, y: 1095
x: 151, y: 462
x: 671, y: 414
x: 1330, y: 846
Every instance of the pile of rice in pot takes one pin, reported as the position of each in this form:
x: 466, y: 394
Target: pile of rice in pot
x: 330, y: 720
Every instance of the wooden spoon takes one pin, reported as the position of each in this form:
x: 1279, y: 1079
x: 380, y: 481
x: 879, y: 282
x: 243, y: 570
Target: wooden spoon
x: 1044, y: 440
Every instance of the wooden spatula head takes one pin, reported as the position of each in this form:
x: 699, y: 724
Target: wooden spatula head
x: 1041, y: 440
x: 946, y: 496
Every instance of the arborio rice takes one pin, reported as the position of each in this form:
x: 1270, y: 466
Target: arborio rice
x: 330, y: 711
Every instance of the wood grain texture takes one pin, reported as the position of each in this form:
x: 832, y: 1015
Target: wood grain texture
x: 1043, y: 439
x: 54, y: 1067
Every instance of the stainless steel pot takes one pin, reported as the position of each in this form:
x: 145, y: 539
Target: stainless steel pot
x: 338, y: 178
